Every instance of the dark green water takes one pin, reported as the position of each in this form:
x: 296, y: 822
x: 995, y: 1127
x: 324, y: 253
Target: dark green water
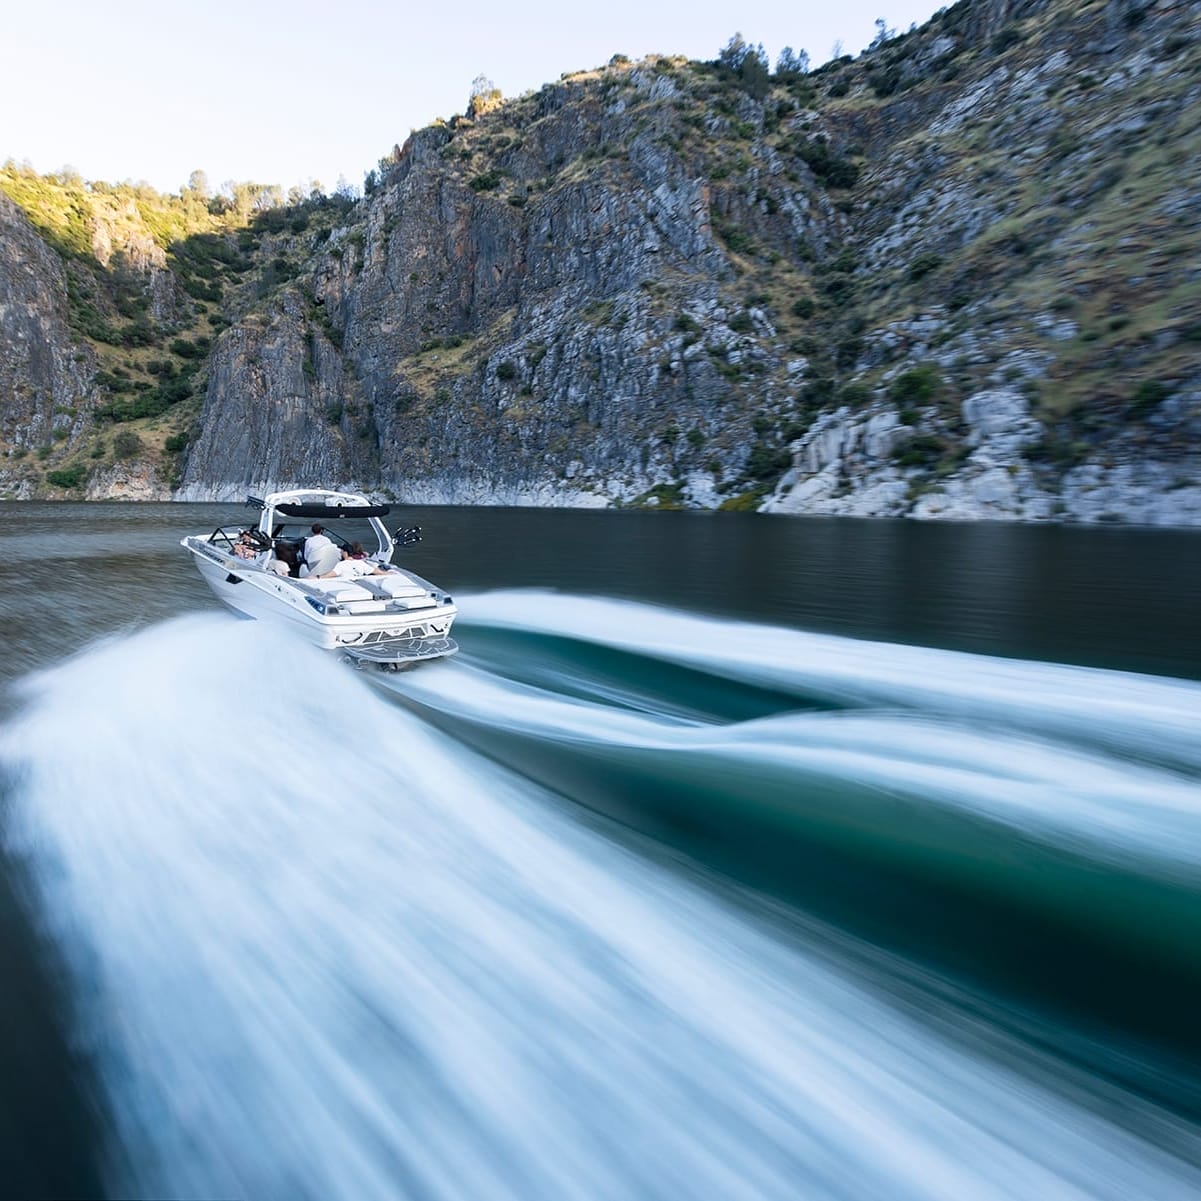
x: 998, y: 846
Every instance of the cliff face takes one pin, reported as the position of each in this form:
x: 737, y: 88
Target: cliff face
x: 954, y: 277
x: 532, y: 339
x: 45, y: 376
x: 274, y: 406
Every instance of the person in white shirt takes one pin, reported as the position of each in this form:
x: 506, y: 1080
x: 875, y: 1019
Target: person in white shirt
x: 314, y: 543
x: 354, y: 564
x: 320, y: 552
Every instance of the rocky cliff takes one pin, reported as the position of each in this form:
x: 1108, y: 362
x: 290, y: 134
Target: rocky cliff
x: 45, y: 375
x: 954, y: 277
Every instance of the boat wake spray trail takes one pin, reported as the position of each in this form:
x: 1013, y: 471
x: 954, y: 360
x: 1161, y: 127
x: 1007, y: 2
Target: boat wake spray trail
x: 1145, y: 716
x: 323, y: 951
x: 1043, y: 855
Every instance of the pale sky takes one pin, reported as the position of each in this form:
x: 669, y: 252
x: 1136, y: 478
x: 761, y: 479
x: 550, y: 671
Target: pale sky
x: 287, y: 92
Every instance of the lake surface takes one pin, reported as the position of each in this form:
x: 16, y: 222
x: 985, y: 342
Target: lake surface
x: 733, y: 857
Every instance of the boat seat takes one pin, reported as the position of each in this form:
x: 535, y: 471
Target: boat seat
x: 340, y: 590
x: 396, y: 584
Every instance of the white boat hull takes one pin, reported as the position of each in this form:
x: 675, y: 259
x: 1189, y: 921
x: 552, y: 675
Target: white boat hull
x: 388, y: 632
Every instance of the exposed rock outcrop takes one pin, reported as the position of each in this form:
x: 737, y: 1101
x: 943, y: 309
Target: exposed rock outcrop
x: 275, y: 415
x: 45, y: 373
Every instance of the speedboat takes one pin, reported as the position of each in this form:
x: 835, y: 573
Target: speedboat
x: 390, y: 619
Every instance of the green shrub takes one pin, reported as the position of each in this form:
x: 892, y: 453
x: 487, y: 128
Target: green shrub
x: 847, y: 261
x: 1057, y: 448
x: 766, y: 461
x: 148, y: 404
x: 485, y: 182
x: 923, y: 265
x: 199, y: 290
x: 172, y: 391
x: 661, y: 496
x: 1150, y: 394
x: 137, y: 333
x: 803, y: 307
x: 737, y: 240
x: 885, y: 80
x: 506, y: 370
x: 831, y: 170
x: 848, y: 351
x: 67, y: 477
x: 922, y: 450
x: 838, y: 286
x: 127, y: 445
x: 918, y: 386
x: 744, y: 502
x: 1006, y: 38
x: 795, y: 429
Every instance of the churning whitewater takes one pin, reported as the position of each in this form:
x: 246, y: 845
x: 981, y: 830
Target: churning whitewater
x: 332, y: 936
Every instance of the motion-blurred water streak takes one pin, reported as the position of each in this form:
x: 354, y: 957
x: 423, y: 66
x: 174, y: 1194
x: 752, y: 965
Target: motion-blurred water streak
x: 336, y: 954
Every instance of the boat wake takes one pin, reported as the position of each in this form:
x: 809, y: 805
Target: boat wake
x: 321, y: 947
x: 1029, y: 828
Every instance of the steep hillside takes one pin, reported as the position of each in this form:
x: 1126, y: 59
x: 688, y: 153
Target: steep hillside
x: 957, y: 276
x: 110, y: 299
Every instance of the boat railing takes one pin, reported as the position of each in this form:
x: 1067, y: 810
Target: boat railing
x: 226, y: 536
